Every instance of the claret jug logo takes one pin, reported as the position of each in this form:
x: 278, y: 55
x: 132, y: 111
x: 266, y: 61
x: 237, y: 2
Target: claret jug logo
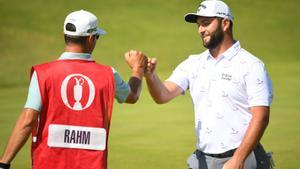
x: 77, y: 91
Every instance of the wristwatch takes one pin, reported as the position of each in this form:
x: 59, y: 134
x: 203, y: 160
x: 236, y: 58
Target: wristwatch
x: 4, y: 166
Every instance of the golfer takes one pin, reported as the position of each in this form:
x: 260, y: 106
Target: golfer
x: 70, y: 102
x: 230, y: 90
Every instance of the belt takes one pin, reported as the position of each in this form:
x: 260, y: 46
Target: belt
x: 221, y: 155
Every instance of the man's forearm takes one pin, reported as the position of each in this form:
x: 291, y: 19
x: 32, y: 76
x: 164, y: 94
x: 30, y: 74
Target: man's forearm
x: 254, y: 132
x: 155, y: 87
x: 20, y: 134
x: 135, y: 84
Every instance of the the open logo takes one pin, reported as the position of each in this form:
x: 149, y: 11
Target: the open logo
x: 77, y: 91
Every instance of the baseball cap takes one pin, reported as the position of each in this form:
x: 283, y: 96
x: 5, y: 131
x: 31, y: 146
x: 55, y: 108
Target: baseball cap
x: 83, y: 23
x: 210, y: 8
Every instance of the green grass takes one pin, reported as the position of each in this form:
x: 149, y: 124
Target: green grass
x: 146, y: 135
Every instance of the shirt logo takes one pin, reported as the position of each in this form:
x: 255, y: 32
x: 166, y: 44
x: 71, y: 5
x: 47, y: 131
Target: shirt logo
x: 72, y: 90
x: 226, y: 76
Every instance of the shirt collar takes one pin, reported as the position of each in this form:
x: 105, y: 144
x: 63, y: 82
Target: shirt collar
x: 232, y: 51
x: 72, y: 55
x: 229, y: 53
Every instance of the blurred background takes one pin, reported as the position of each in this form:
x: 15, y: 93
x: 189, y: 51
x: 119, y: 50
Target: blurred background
x: 147, y: 135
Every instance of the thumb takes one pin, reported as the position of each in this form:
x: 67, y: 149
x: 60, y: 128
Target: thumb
x: 153, y: 61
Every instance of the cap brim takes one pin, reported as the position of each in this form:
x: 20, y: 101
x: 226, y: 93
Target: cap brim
x: 191, y: 17
x: 100, y: 31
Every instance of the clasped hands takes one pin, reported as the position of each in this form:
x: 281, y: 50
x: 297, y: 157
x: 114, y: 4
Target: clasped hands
x: 139, y: 63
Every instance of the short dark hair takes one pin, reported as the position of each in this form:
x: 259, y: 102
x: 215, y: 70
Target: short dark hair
x: 231, y: 26
x: 74, y: 39
x: 231, y: 23
x: 81, y: 40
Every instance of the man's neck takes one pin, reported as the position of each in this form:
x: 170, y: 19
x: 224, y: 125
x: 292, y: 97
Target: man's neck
x: 76, y: 49
x: 225, y: 45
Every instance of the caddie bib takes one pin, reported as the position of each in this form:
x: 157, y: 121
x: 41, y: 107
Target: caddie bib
x: 73, y: 126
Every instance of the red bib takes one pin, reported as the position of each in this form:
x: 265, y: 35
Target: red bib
x: 77, y: 100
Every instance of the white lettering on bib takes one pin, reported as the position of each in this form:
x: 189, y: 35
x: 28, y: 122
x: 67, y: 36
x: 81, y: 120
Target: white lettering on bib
x: 66, y: 136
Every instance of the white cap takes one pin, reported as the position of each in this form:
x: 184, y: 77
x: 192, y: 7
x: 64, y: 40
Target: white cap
x: 82, y: 23
x: 210, y: 8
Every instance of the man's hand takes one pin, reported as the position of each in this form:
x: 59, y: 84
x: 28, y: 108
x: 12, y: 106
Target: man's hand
x: 150, y: 66
x: 137, y: 61
x: 234, y: 163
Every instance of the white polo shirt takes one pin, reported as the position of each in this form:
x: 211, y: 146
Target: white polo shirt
x: 222, y: 91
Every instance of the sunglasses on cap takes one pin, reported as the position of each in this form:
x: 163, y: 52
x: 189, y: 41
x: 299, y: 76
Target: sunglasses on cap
x: 97, y: 36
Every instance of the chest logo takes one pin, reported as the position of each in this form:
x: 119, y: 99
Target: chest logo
x: 77, y: 91
x: 226, y: 76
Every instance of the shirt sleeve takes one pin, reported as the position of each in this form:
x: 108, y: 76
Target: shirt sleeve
x: 34, y: 100
x: 259, y: 86
x: 122, y: 88
x: 180, y: 76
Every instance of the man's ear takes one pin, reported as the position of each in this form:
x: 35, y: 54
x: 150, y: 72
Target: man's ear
x: 90, y: 43
x: 91, y: 39
x: 225, y: 24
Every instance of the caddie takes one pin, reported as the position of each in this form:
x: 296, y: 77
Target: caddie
x: 70, y: 102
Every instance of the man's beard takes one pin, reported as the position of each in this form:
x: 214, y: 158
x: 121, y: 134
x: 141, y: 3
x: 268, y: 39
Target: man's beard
x: 216, y: 38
